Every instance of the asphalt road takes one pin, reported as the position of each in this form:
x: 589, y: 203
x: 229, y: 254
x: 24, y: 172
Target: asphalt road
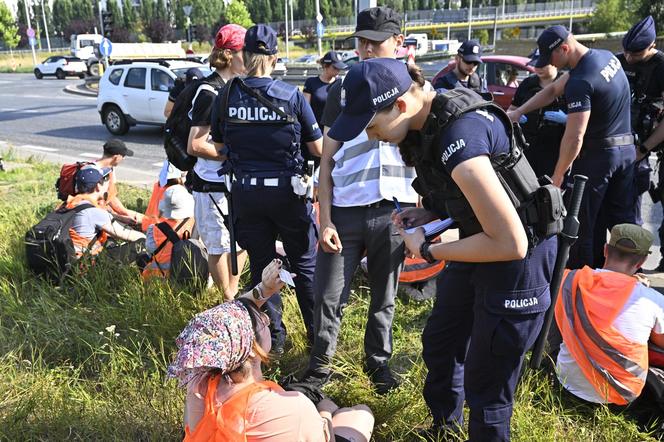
x: 38, y: 118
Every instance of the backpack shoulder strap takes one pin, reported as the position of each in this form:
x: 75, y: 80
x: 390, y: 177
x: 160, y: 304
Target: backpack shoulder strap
x: 171, y: 235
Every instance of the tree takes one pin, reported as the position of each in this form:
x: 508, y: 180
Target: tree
x: 62, y: 15
x: 612, y: 15
x: 147, y: 13
x: 83, y: 10
x: 160, y: 12
x: 20, y: 12
x: 236, y: 12
x: 159, y: 31
x: 655, y: 8
x: 113, y: 7
x: 8, y: 27
x: 129, y: 18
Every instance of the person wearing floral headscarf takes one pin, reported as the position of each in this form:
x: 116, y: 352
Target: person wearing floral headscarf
x: 219, y: 363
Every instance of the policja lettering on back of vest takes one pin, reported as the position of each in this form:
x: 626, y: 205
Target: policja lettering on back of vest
x: 254, y: 113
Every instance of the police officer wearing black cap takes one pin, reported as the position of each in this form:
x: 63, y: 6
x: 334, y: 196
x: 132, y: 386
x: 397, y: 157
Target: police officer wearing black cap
x: 492, y: 295
x: 644, y: 67
x: 259, y: 124
x: 543, y: 128
x: 598, y: 141
x: 468, y: 58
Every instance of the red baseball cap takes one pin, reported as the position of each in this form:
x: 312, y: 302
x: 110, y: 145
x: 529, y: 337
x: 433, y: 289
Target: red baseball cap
x: 230, y: 37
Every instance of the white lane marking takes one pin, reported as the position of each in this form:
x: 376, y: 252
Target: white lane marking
x: 42, y: 148
x: 157, y: 164
x: 89, y: 155
x: 8, y: 109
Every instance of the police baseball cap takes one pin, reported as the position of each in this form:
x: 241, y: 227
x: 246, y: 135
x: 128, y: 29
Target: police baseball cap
x: 89, y: 176
x: 534, y: 56
x: 631, y: 238
x: 548, y: 41
x: 115, y: 146
x: 640, y: 36
x: 369, y: 87
x: 377, y: 24
x: 193, y: 74
x: 470, y: 51
x: 261, y: 39
x: 332, y: 58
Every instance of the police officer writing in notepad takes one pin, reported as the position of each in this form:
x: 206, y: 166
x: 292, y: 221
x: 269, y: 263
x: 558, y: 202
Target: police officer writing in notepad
x: 464, y: 74
x: 492, y: 295
x: 644, y: 67
x: 598, y: 137
x: 259, y: 124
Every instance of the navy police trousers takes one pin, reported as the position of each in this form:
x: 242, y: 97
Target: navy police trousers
x: 475, y: 340
x: 261, y: 216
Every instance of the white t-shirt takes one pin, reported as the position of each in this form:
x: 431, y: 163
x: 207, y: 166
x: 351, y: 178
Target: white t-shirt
x: 642, y: 314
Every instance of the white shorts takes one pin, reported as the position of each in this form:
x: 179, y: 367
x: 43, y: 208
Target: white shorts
x: 210, y: 224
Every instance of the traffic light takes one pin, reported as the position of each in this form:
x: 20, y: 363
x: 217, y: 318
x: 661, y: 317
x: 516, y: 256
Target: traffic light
x: 107, y: 20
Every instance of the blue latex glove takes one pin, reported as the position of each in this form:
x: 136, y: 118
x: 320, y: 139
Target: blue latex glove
x: 559, y: 117
x: 523, y: 119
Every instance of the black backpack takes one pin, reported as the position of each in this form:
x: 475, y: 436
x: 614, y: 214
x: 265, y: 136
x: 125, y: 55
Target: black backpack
x: 178, y: 124
x: 189, y: 260
x: 48, y: 247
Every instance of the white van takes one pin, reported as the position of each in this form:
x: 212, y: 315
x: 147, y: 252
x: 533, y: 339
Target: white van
x: 82, y: 46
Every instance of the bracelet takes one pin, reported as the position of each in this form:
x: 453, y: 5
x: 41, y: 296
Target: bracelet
x: 257, y: 293
x: 425, y: 252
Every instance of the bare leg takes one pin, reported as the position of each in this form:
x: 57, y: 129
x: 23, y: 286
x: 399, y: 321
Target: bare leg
x: 234, y: 280
x: 355, y: 423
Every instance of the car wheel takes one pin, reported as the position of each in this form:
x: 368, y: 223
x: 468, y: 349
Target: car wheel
x: 114, y: 120
x: 60, y: 74
x: 38, y: 74
x: 81, y: 76
x: 93, y: 69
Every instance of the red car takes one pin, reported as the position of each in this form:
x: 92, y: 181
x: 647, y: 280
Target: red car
x: 503, y: 74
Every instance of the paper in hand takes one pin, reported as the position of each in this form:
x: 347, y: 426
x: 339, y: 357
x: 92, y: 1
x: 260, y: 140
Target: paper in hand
x: 434, y: 228
x: 286, y: 277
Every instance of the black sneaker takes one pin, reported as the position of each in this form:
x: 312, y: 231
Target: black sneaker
x: 383, y: 379
x: 317, y: 378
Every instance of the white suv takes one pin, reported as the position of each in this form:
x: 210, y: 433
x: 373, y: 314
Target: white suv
x: 135, y: 92
x: 61, y: 66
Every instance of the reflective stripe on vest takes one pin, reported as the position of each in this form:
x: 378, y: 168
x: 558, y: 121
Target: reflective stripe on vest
x: 227, y: 422
x: 418, y: 270
x: 160, y: 265
x: 614, y: 366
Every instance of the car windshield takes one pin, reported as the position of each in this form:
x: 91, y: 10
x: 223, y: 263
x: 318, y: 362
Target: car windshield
x: 181, y: 72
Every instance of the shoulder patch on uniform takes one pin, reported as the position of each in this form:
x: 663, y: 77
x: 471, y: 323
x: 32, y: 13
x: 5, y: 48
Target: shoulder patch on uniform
x: 281, y: 90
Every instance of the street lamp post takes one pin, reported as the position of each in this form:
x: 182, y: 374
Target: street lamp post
x: 27, y: 17
x: 319, y: 22
x: 48, y: 40
x: 286, y: 30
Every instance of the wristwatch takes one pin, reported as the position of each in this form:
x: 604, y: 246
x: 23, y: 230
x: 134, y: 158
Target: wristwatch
x: 426, y: 253
x: 257, y: 293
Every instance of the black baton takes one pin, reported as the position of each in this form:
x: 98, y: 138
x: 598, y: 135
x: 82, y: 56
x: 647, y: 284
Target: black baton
x: 567, y: 237
x: 231, y: 229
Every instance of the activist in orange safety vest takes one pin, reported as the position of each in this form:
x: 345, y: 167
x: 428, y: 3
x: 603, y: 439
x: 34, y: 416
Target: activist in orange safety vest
x: 177, y: 211
x: 168, y: 176
x: 606, y: 318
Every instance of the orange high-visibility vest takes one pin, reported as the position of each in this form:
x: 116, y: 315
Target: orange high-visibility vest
x: 151, y: 215
x: 418, y: 270
x: 587, y: 306
x: 160, y: 264
x: 226, y: 423
x: 83, y: 245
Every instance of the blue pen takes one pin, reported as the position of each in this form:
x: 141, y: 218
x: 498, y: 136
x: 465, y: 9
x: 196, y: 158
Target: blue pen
x: 396, y: 204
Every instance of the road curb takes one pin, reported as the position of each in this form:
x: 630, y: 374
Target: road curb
x: 77, y: 89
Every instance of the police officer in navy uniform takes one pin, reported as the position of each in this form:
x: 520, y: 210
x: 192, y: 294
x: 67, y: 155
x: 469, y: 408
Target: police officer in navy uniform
x: 261, y: 137
x: 598, y: 141
x: 543, y: 128
x: 644, y: 67
x: 492, y: 295
x: 468, y: 58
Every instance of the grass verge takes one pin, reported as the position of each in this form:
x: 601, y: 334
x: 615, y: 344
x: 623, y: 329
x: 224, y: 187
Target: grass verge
x: 87, y: 361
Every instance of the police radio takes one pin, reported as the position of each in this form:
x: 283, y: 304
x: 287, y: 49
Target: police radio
x: 310, y: 184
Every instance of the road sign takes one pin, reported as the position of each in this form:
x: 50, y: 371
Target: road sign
x: 105, y: 47
x: 30, y: 32
x: 319, y: 17
x: 320, y: 29
x: 32, y: 41
x: 187, y: 10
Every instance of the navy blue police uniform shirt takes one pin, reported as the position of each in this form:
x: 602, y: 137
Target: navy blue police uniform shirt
x: 318, y: 90
x: 526, y: 90
x: 450, y: 81
x: 599, y: 84
x: 253, y: 142
x: 481, y: 133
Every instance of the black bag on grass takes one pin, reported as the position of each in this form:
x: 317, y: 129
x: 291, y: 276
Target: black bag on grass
x: 189, y: 260
x: 48, y: 247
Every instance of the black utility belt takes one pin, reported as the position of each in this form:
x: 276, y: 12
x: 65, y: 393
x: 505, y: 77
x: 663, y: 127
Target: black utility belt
x: 383, y: 203
x: 599, y: 143
x: 198, y: 184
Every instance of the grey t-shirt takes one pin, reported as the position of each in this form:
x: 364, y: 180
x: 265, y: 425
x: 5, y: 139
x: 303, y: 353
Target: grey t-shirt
x: 89, y: 221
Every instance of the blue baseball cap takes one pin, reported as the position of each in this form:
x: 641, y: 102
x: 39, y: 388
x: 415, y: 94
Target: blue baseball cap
x: 640, y: 36
x: 261, y: 39
x: 534, y: 56
x: 332, y: 58
x: 470, y: 51
x: 89, y: 176
x: 369, y: 87
x: 548, y: 41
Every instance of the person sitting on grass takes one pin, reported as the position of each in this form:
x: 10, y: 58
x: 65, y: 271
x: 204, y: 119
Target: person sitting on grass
x: 219, y: 361
x: 169, y: 175
x: 606, y: 318
x: 92, y: 227
x: 177, y: 211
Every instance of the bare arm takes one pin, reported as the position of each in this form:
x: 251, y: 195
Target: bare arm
x: 570, y: 146
x: 117, y: 230
x: 503, y: 237
x: 316, y: 147
x: 329, y: 238
x: 270, y: 283
x: 199, y: 146
x: 657, y: 339
x: 307, y: 96
x: 168, y: 108
x: 543, y: 98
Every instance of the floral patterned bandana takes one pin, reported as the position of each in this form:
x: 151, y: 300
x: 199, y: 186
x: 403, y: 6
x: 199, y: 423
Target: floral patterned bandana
x: 220, y: 337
